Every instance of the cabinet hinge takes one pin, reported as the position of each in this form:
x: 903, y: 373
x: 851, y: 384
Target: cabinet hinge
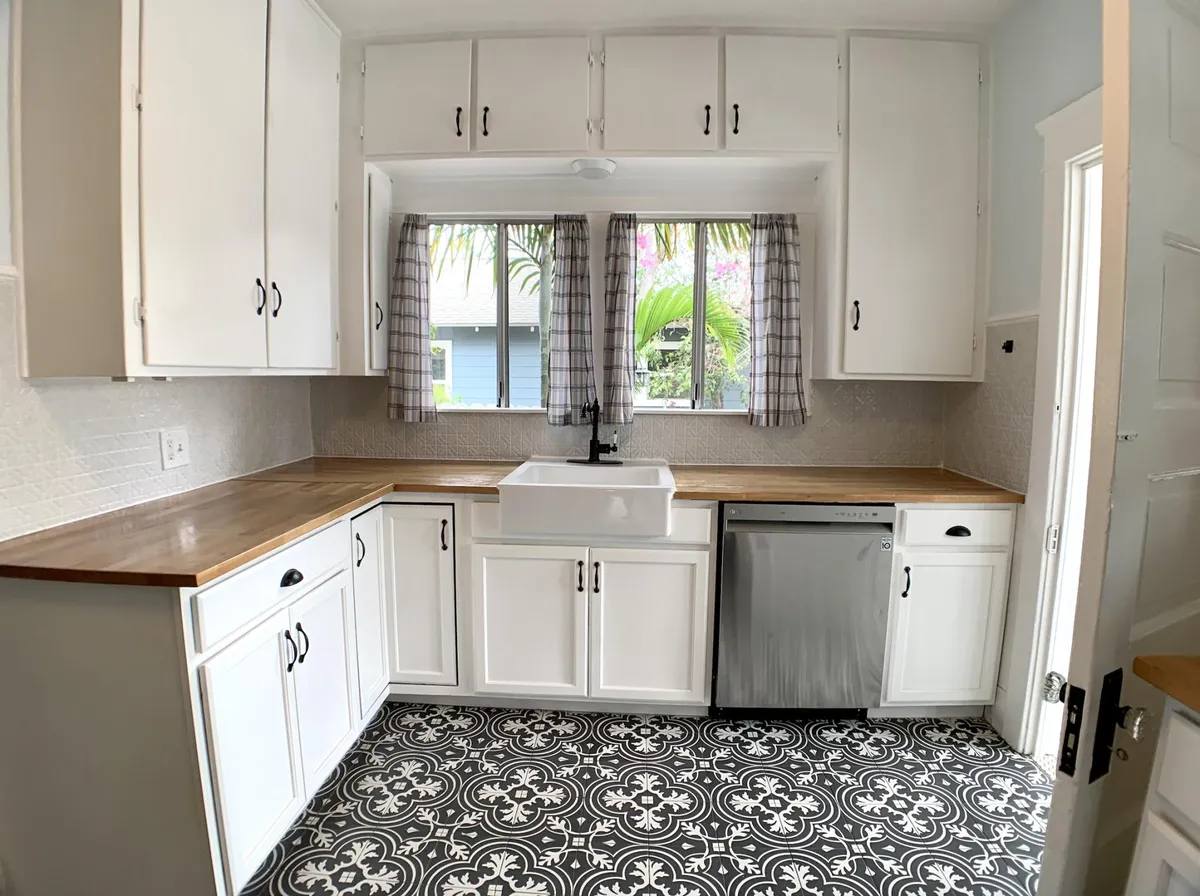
x: 601, y: 125
x: 335, y: 205
x: 981, y: 76
x: 137, y: 99
x: 839, y: 128
x: 364, y: 67
x: 589, y: 125
x: 978, y: 209
x: 337, y: 77
x: 592, y: 58
x: 974, y: 343
x: 361, y: 131
x: 139, y: 311
x: 839, y: 61
x: 1052, y: 540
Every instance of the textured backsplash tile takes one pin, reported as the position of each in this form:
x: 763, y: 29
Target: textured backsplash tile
x: 897, y: 424
x: 989, y: 425
x: 71, y: 450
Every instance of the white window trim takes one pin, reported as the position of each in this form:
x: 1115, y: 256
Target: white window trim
x: 447, y: 347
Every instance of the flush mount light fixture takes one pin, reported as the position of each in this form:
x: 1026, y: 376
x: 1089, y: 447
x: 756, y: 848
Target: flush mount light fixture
x: 593, y: 169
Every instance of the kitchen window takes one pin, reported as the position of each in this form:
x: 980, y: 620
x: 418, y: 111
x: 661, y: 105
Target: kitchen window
x: 693, y: 277
x: 489, y: 304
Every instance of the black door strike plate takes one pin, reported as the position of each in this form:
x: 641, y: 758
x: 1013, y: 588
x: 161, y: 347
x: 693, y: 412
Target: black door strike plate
x: 1074, y: 726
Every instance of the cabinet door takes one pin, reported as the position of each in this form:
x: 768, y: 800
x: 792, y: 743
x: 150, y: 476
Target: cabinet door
x: 418, y: 545
x: 912, y: 213
x: 379, y: 264
x: 324, y: 672
x: 203, y: 80
x: 660, y: 93
x: 417, y: 98
x: 253, y: 744
x: 532, y: 94
x: 302, y: 163
x: 781, y: 93
x: 649, y: 624
x: 370, y: 630
x: 530, y: 607
x: 1166, y: 862
x: 947, y: 616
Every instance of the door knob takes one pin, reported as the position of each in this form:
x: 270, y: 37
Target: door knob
x: 1054, y: 688
x: 1134, y: 719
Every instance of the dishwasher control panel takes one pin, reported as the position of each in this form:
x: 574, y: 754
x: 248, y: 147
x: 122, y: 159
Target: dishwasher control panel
x: 812, y: 513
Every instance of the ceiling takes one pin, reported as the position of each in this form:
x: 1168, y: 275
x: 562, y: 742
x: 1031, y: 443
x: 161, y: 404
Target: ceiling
x: 361, y: 18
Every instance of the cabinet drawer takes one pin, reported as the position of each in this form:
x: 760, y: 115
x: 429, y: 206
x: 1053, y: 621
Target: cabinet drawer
x: 224, y: 608
x: 1177, y: 781
x: 689, y: 525
x: 933, y: 527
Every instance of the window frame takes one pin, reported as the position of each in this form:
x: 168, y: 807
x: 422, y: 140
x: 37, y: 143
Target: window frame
x: 447, y: 347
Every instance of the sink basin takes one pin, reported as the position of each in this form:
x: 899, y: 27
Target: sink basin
x: 550, y: 497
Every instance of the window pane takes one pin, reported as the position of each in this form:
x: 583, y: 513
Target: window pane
x: 462, y: 308
x: 530, y: 276
x: 663, y: 319
x: 727, y: 316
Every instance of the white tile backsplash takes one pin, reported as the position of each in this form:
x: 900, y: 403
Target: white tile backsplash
x: 70, y: 450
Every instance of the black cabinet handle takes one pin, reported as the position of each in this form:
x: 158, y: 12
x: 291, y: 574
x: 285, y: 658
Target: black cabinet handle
x: 707, y: 119
x: 596, y: 579
x: 579, y: 587
x: 279, y: 296
x: 486, y: 110
x: 445, y: 546
x: 958, y: 532
x: 294, y: 653
x: 907, y: 581
x: 263, y: 304
x: 458, y: 121
x: 857, y: 314
x: 737, y: 117
x: 362, y: 544
x: 379, y: 322
x: 300, y: 631
x: 290, y: 578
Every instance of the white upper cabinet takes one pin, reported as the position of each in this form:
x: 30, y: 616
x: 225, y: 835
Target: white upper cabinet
x: 417, y: 98
x: 913, y: 208
x: 532, y: 94
x: 781, y: 93
x: 202, y: 182
x: 302, y: 162
x: 661, y: 93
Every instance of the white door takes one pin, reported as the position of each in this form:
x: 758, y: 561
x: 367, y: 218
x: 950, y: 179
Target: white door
x: 1167, y: 863
x: 370, y: 627
x: 417, y: 98
x: 379, y: 264
x: 532, y: 94
x: 531, y: 620
x: 661, y: 93
x: 253, y: 741
x: 1137, y: 579
x: 781, y: 93
x: 418, y: 549
x: 648, y: 624
x: 946, y: 622
x: 203, y: 80
x: 912, y: 211
x: 324, y: 673
x: 302, y: 174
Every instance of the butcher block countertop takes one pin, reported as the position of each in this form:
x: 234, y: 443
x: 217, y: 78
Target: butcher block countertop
x: 1175, y: 676
x: 193, y: 538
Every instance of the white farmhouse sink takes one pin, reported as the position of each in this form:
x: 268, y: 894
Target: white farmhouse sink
x: 548, y: 497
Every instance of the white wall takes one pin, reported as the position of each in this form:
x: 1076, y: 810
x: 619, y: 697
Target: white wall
x: 1045, y: 54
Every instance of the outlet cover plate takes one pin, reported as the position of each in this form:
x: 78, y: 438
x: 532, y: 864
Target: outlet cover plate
x: 175, y: 449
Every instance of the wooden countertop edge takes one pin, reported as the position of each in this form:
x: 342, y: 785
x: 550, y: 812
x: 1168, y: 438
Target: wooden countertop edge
x: 1176, y: 676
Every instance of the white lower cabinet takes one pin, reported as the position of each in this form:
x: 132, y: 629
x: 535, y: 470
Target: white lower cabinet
x: 370, y: 633
x: 418, y: 541
x: 1167, y: 862
x: 947, y: 619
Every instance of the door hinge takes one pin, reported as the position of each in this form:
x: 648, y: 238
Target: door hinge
x: 1052, y: 540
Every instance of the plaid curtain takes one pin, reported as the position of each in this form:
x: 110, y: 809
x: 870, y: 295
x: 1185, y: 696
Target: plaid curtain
x: 410, y: 364
x: 572, y: 380
x: 620, y: 293
x: 776, y: 369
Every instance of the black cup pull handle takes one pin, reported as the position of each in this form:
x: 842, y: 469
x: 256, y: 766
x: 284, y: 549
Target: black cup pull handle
x: 707, y: 119
x: 458, y: 121
x: 737, y: 117
x: 363, y: 546
x: 300, y: 631
x: 262, y: 289
x: 294, y: 653
x: 290, y: 578
x: 907, y: 581
x: 445, y: 546
x: 379, y: 320
x: 958, y: 532
x: 857, y: 314
x: 596, y: 579
x: 486, y: 110
x: 579, y: 587
x: 279, y: 296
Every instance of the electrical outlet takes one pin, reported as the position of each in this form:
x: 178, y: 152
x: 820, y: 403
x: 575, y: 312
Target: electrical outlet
x: 175, y: 450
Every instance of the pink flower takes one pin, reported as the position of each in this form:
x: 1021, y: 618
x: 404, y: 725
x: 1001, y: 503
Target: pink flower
x: 648, y: 261
x: 643, y: 241
x: 727, y: 267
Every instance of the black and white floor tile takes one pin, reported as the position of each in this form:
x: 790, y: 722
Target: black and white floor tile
x: 448, y: 801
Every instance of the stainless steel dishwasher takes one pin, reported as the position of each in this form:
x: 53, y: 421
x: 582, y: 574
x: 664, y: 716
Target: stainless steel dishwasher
x: 803, y: 607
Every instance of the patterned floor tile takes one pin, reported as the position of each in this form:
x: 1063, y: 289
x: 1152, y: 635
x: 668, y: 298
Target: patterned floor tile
x: 448, y: 801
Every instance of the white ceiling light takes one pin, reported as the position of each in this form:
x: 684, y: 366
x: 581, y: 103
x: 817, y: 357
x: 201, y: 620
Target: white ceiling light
x: 593, y: 169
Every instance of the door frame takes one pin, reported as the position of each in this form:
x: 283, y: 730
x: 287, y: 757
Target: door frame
x: 1072, y: 140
